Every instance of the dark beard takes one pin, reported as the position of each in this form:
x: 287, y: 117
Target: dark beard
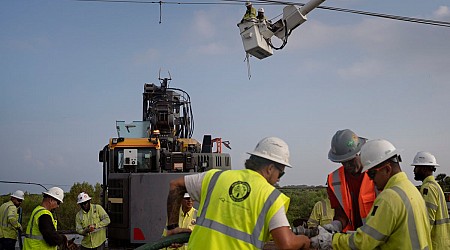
x: 419, y: 177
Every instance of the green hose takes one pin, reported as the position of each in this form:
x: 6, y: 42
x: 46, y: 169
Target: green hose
x: 164, y: 242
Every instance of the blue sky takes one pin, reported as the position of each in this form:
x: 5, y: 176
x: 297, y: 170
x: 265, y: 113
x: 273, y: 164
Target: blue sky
x: 70, y: 69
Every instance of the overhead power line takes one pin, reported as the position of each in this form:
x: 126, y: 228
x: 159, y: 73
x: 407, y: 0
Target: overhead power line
x: 272, y: 2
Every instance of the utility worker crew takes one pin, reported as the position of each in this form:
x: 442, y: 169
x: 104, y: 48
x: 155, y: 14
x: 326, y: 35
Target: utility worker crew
x: 321, y: 214
x: 187, y: 217
x: 250, y: 13
x: 91, y: 222
x: 424, y: 165
x: 398, y: 219
x: 350, y: 191
x: 239, y: 209
x: 9, y: 221
x: 41, y: 230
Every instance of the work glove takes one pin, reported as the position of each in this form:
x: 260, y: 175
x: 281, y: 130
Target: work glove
x: 334, y: 227
x: 88, y: 229
x: 323, y: 241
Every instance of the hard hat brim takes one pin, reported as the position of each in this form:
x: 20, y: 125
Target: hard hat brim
x: 84, y: 200
x: 51, y: 195
x: 343, y: 158
x: 270, y: 158
x: 386, y: 157
x: 425, y: 164
x: 17, y: 197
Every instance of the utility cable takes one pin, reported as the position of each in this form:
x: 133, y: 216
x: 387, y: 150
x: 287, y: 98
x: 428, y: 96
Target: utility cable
x: 272, y: 2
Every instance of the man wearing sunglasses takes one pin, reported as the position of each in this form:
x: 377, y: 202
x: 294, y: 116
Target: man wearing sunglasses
x: 350, y: 191
x: 186, y: 219
x: 239, y: 209
x: 424, y: 165
x: 91, y: 222
x: 41, y: 230
x: 398, y: 219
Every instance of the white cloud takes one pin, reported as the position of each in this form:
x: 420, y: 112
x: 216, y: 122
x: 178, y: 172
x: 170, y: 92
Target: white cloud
x: 442, y: 12
x: 209, y: 49
x: 364, y: 69
x: 148, y: 56
x: 30, y: 159
x: 203, y: 25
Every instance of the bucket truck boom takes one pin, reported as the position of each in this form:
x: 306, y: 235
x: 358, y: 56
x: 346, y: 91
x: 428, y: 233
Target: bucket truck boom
x: 256, y: 35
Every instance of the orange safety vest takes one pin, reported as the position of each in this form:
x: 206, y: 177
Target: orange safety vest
x: 367, y: 195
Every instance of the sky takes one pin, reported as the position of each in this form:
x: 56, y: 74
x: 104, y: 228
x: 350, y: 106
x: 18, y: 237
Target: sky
x: 70, y: 69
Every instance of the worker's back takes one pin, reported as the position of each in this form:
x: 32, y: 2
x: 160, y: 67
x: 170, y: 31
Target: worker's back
x: 244, y: 202
x: 437, y: 212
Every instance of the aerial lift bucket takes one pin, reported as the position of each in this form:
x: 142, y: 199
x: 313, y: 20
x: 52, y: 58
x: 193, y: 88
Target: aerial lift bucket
x: 254, y: 42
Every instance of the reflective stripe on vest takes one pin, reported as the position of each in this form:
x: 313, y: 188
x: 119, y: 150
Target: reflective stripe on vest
x: 324, y: 208
x: 30, y: 235
x: 442, y: 212
x: 367, y: 195
x: 412, y: 229
x: 345, y: 201
x: 5, y: 216
x: 214, y: 225
x: 94, y: 207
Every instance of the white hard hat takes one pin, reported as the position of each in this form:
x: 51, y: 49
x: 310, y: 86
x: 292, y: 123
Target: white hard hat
x: 186, y: 195
x: 18, y: 195
x: 274, y: 149
x: 261, y: 10
x: 248, y: 3
x: 82, y: 197
x: 56, y: 193
x: 375, y: 152
x: 424, y: 159
x: 345, y: 144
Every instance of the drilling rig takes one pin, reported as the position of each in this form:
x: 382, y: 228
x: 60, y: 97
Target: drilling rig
x: 145, y: 156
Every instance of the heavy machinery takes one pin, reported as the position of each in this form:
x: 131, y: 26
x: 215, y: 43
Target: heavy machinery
x: 256, y: 35
x: 139, y: 163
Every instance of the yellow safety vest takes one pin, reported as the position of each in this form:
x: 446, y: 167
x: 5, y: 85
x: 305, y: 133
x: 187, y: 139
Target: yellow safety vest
x: 33, y: 237
x: 438, y: 213
x: 9, y: 220
x: 321, y: 214
x: 397, y: 220
x: 95, y: 216
x: 235, y: 210
x: 250, y: 15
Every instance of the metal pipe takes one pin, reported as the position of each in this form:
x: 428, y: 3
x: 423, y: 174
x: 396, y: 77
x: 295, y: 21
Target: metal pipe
x: 305, y: 9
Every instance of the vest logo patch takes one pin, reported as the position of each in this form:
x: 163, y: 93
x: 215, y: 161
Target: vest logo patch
x: 239, y: 191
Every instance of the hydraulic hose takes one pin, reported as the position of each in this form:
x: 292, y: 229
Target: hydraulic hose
x: 164, y: 242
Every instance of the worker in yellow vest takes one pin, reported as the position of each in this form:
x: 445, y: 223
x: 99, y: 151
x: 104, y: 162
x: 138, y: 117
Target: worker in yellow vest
x: 239, y: 209
x: 250, y: 13
x: 398, y: 218
x: 10, y: 225
x: 187, y: 217
x: 424, y: 165
x: 321, y: 214
x: 41, y: 230
x: 91, y: 222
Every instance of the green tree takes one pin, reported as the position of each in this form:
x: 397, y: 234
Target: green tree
x: 302, y: 201
x: 444, y: 182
